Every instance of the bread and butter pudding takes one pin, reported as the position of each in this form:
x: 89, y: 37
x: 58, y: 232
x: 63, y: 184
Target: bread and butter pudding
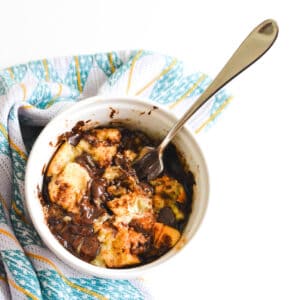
x: 100, y: 211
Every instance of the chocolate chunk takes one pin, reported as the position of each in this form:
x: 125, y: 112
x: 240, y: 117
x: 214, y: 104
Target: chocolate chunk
x: 97, y: 188
x: 87, y: 215
x: 77, y: 243
x: 87, y: 162
x: 74, y: 139
x: 166, y: 216
x: 80, y: 230
x: 90, y: 248
x: 98, y: 192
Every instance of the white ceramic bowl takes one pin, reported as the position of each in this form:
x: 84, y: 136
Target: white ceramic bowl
x: 139, y: 114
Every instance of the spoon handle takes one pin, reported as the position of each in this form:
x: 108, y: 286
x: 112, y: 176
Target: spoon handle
x: 252, y: 48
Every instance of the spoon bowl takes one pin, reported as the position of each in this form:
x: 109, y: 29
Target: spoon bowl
x: 150, y: 163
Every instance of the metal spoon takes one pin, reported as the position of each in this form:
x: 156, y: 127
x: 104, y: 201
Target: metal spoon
x: 149, y: 164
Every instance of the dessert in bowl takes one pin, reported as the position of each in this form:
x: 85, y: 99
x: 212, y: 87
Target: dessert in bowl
x: 86, y: 201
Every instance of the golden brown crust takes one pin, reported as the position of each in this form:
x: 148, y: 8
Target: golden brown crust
x: 165, y: 236
x: 169, y: 188
x: 68, y: 187
x: 168, y: 191
x: 65, y: 153
x: 115, y: 249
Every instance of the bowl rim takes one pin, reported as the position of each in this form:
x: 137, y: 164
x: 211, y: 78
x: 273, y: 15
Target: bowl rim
x: 52, y: 243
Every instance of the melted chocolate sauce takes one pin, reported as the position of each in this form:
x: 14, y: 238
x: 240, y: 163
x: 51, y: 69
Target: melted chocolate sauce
x: 86, y: 161
x: 99, y: 195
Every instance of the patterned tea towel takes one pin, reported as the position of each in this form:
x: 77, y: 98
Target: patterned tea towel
x: 30, y: 95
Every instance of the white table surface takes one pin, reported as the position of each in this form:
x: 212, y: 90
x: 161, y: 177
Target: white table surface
x: 248, y: 246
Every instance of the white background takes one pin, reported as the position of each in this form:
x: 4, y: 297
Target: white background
x: 248, y: 246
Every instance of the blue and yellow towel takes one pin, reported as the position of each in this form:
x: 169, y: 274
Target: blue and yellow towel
x: 30, y: 95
